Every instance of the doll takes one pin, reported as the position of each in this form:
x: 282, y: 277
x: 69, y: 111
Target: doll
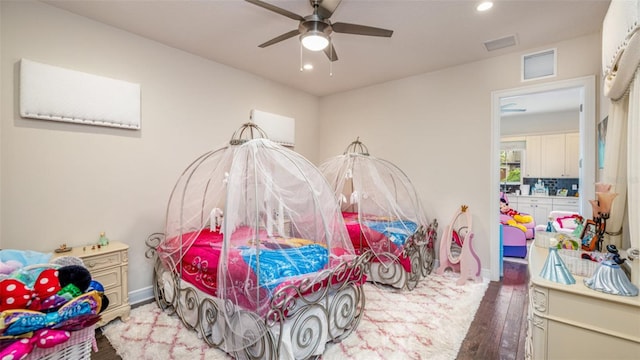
x: 518, y: 218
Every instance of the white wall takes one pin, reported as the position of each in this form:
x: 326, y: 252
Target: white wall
x: 437, y: 127
x: 65, y: 183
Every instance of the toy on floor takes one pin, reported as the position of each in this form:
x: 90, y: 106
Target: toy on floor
x: 459, y: 259
x: 7, y: 267
x: 518, y: 218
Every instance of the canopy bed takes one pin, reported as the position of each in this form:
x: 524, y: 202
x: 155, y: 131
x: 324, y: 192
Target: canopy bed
x: 383, y: 215
x: 255, y: 255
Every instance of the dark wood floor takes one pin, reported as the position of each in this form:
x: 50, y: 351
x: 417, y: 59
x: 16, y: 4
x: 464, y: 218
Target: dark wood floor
x: 497, y: 332
x: 499, y: 328
x: 105, y: 350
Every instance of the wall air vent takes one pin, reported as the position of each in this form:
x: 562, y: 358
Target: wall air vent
x: 501, y: 43
x: 539, y: 65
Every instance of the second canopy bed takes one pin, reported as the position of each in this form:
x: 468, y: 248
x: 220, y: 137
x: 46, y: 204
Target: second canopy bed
x: 383, y: 215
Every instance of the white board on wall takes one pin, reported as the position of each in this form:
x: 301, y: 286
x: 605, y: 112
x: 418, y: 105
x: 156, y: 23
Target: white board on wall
x: 52, y: 93
x: 280, y: 129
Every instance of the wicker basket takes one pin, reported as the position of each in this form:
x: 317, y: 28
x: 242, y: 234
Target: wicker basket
x: 78, y: 347
x: 576, y: 264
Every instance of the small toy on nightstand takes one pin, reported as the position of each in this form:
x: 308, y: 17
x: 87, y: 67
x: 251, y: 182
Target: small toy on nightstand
x: 63, y: 248
x: 103, y: 240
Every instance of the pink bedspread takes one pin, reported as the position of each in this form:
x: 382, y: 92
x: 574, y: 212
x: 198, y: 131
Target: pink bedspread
x: 200, y: 263
x: 200, y: 268
x: 364, y: 238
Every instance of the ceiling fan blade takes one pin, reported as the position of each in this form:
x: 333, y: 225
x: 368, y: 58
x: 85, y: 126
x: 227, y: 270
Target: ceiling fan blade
x: 327, y: 7
x: 360, y: 30
x: 277, y: 39
x: 276, y: 9
x: 330, y: 51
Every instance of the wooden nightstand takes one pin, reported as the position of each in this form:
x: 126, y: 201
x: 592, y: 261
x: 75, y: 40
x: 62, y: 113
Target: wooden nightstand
x: 108, y: 265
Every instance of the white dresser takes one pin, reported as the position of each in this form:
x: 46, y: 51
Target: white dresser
x: 575, y: 322
x: 108, y: 265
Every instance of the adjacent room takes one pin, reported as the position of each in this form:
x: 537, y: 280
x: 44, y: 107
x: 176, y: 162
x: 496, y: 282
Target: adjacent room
x: 319, y: 179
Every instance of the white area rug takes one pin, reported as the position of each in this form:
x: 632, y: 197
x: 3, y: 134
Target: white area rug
x: 429, y: 322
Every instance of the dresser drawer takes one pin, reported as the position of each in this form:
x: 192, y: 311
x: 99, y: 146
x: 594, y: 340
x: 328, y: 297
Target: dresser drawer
x: 108, y: 278
x: 115, y: 298
x: 98, y: 262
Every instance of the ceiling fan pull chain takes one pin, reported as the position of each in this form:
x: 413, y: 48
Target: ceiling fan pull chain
x: 301, y: 68
x: 331, y: 53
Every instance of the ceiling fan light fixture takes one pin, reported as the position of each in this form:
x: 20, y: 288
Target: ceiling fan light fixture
x: 484, y: 6
x: 314, y: 40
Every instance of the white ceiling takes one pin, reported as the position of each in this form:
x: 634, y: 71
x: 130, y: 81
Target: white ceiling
x: 428, y: 35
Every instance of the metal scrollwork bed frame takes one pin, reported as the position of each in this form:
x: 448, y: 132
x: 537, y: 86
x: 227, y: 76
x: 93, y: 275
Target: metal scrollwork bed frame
x: 301, y: 318
x: 419, y: 249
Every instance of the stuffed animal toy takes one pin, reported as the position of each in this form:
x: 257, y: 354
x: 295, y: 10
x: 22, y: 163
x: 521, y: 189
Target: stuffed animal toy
x: 44, y: 290
x: 518, y: 218
x: 9, y: 266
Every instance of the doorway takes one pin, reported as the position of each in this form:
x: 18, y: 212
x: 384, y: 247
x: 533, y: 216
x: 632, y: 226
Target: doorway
x: 585, y: 86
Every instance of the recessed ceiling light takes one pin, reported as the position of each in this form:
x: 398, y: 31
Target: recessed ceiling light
x: 308, y: 67
x: 484, y: 6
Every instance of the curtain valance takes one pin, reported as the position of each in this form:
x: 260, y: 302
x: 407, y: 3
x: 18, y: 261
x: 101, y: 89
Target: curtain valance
x: 620, y: 46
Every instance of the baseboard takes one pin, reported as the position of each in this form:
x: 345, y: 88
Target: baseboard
x: 141, y: 296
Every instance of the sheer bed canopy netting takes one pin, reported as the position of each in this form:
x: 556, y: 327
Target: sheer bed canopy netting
x: 377, y: 194
x: 275, y: 217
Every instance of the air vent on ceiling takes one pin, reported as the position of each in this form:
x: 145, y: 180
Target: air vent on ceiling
x: 539, y: 65
x: 503, y: 42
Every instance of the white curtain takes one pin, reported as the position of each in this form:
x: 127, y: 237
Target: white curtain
x: 615, y: 170
x: 633, y: 161
x: 621, y: 63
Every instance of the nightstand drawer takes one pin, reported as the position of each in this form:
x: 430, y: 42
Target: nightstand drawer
x: 108, y: 265
x: 108, y: 278
x: 115, y: 298
x: 98, y: 262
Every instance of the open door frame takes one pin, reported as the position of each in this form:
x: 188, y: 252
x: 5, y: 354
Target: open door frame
x: 587, y: 146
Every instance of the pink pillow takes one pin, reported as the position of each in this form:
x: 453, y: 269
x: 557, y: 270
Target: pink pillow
x: 567, y: 222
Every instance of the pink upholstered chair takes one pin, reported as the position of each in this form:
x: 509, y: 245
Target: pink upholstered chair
x: 514, y: 243
x: 514, y: 240
x: 562, y: 221
x: 531, y: 227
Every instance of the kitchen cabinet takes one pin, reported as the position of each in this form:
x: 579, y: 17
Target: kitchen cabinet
x: 533, y: 157
x: 566, y: 204
x: 553, y: 149
x: 541, y: 206
x: 538, y: 207
x: 572, y: 155
x: 552, y: 156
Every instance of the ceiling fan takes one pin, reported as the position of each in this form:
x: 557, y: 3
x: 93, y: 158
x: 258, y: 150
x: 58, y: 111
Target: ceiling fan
x: 510, y: 108
x: 315, y: 29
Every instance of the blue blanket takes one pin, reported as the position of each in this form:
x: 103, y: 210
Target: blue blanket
x: 396, y: 231
x: 276, y: 265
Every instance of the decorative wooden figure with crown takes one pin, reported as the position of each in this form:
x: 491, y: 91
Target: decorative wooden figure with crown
x: 456, y: 248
